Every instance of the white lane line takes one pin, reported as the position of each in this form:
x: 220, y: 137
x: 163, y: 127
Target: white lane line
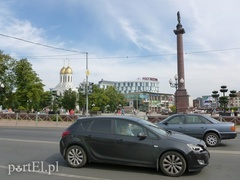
x: 62, y: 175
x: 29, y: 141
x: 53, y: 142
x: 224, y: 152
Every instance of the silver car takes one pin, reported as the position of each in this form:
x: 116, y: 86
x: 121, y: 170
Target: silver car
x: 200, y: 126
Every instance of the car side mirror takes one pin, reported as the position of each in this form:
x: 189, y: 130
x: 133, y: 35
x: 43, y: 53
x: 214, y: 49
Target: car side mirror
x: 142, y: 135
x: 166, y: 123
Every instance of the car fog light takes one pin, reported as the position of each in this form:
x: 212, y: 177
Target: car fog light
x: 201, y: 162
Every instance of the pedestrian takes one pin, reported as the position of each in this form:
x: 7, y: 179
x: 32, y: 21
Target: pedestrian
x: 122, y: 111
x: 134, y: 111
x: 71, y: 112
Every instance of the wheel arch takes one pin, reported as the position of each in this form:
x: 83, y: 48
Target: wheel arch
x: 76, y: 144
x: 212, y: 131
x: 169, y: 150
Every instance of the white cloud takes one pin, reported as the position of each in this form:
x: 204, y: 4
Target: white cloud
x: 118, y: 30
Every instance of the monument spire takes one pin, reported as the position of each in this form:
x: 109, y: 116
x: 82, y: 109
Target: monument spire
x: 181, y: 92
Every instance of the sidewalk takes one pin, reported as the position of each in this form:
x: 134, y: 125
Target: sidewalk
x: 47, y: 124
x: 31, y: 123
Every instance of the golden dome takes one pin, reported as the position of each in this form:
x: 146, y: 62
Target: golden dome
x: 68, y: 70
x: 62, y: 70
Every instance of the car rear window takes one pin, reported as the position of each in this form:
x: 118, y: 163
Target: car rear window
x: 101, y: 125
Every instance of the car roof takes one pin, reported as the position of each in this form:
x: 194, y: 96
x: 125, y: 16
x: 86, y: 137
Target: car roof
x: 134, y: 119
x: 191, y: 114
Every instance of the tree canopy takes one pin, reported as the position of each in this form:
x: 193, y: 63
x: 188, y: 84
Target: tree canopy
x: 23, y: 90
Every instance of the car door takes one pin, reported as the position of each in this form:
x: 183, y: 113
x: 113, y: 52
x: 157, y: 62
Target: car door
x: 100, y: 139
x: 176, y: 123
x: 195, y: 125
x: 130, y: 148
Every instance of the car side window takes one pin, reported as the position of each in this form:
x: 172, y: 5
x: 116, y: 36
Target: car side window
x: 86, y: 124
x: 176, y: 120
x: 101, y: 125
x: 191, y: 119
x: 127, y: 128
x: 151, y: 135
x: 204, y: 120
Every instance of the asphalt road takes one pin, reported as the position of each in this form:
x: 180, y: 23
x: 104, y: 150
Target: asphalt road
x: 24, y: 149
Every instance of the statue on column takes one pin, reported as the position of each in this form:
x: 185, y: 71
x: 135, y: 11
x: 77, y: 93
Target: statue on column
x: 178, y: 17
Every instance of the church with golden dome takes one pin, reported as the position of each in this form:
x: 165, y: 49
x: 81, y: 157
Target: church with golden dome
x: 66, y: 81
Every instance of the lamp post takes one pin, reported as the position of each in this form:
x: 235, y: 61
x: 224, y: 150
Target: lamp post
x: 223, y: 99
x: 86, y: 83
x: 215, y: 95
x: 175, y: 85
x: 86, y: 86
x: 1, y: 88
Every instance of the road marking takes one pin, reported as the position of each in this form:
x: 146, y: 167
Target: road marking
x: 62, y: 175
x: 29, y: 141
x: 53, y: 142
x: 225, y: 152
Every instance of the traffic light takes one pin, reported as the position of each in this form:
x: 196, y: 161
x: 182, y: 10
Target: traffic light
x: 49, y: 98
x: 54, y: 93
x: 57, y: 99
x: 90, y: 87
x: 82, y: 88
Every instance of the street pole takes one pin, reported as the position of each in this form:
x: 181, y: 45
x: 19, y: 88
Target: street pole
x: 175, y: 85
x: 86, y: 85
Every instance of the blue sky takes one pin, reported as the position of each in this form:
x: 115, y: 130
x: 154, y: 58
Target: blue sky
x: 127, y: 40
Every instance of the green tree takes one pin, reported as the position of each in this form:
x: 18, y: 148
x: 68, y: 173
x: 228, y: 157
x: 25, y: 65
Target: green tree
x: 69, y: 99
x: 7, y: 78
x: 81, y: 99
x: 29, y: 85
x: 115, y: 98
x: 46, y: 100
x: 108, y: 97
x: 98, y: 99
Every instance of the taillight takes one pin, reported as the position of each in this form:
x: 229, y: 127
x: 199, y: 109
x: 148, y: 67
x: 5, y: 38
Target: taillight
x: 233, y: 128
x: 65, y: 133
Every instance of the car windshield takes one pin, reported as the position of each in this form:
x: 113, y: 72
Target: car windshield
x: 155, y: 128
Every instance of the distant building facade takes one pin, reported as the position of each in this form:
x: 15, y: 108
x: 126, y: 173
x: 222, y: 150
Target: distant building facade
x: 208, y: 102
x: 142, y: 94
x: 146, y: 84
x: 236, y: 100
x: 150, y: 102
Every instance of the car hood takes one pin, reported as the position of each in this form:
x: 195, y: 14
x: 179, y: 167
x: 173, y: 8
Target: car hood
x: 185, y: 138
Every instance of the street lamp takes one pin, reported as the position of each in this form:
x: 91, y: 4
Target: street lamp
x: 223, y: 99
x: 86, y: 90
x: 175, y: 85
x: 86, y: 83
x: 1, y: 88
x: 215, y: 95
x: 1, y: 85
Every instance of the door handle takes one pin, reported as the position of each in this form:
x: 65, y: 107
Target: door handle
x: 120, y: 141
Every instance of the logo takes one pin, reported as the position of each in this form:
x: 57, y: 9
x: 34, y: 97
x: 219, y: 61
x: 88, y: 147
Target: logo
x: 34, y: 166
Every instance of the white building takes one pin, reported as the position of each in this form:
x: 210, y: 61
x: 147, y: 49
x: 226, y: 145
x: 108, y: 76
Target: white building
x: 146, y: 84
x: 66, y: 81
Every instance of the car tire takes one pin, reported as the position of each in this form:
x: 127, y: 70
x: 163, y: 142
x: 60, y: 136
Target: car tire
x: 172, y: 164
x: 76, y: 156
x: 211, y: 139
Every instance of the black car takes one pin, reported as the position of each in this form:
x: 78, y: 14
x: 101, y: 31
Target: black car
x: 126, y: 140
x: 200, y: 126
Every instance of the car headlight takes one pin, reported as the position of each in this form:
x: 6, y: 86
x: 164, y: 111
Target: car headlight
x: 195, y: 148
